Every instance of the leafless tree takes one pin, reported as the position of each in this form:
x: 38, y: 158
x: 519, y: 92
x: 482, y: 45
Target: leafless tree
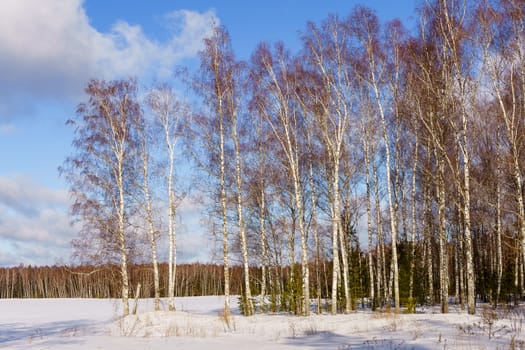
x: 222, y: 87
x: 274, y: 98
x: 374, y: 72
x: 146, y: 142
x: 102, y: 167
x: 327, y: 51
x: 502, y: 37
x: 171, y: 115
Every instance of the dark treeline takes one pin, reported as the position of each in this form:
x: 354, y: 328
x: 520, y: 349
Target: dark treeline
x: 104, y: 282
x: 376, y: 161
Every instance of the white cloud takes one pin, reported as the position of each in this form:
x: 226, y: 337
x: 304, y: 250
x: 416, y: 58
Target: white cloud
x: 35, y: 226
x: 49, y: 50
x: 190, y: 28
x: 22, y: 196
x: 33, y: 222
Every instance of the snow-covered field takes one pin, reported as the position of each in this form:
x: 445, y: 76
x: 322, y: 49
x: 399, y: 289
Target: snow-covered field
x: 198, y: 324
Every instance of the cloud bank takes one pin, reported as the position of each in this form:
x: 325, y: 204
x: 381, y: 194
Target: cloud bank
x: 33, y: 222
x: 50, y: 50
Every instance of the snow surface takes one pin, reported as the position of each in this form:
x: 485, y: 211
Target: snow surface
x: 198, y: 324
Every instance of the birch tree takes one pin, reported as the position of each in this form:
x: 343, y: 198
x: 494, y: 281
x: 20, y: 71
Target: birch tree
x: 171, y: 116
x: 327, y: 52
x: 103, y: 167
x: 274, y: 96
x: 223, y: 74
x: 452, y: 26
x: 502, y: 36
x: 366, y: 106
x: 145, y: 136
x: 366, y: 28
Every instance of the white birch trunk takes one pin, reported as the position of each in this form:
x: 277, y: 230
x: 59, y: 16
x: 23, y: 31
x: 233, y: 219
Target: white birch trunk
x: 516, y: 274
x: 456, y: 268
x: 428, y: 245
x: 118, y: 147
x: 369, y: 223
x: 413, y: 229
x: 313, y: 198
x: 304, y: 247
x: 291, y: 258
x: 264, y: 242
x: 224, y: 215
x: 466, y: 212
x: 122, y: 234
x: 171, y: 217
x: 393, y: 219
x: 346, y: 272
x: 498, y: 233
x: 335, y: 262
x: 443, y: 254
x: 462, y: 275
x: 380, y: 237
x: 337, y: 232
x: 151, y: 228
x: 242, y: 233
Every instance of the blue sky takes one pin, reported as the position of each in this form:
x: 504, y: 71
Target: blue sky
x: 50, y: 48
